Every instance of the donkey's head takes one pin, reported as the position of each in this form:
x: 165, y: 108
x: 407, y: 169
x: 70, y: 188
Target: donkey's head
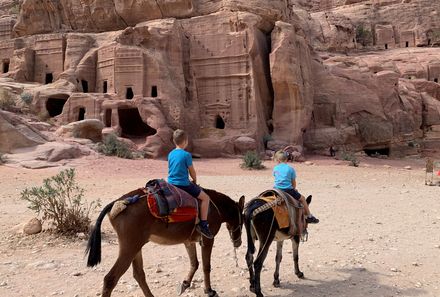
x: 235, y: 225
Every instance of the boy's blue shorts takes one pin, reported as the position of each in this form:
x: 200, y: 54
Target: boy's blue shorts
x: 192, y: 189
x: 292, y: 192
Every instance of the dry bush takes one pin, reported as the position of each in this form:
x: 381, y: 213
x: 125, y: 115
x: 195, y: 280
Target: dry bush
x: 61, y: 202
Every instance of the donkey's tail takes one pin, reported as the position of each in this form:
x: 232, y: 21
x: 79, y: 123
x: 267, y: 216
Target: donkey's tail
x: 94, y: 243
x: 248, y: 226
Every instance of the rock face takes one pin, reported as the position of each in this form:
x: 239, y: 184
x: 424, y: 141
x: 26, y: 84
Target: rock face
x: 291, y: 73
x: 237, y: 75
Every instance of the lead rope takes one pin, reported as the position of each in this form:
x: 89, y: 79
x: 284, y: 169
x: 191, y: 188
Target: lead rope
x: 236, y: 258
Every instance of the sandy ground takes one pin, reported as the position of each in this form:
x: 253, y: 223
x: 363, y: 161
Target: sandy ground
x: 379, y: 233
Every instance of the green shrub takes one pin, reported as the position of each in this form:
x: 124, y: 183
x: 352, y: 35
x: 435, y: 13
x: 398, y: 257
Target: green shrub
x: 349, y: 156
x: 60, y: 201
x: 252, y: 160
x: 112, y: 146
x: 26, y: 98
x: 364, y: 35
x: 7, y: 102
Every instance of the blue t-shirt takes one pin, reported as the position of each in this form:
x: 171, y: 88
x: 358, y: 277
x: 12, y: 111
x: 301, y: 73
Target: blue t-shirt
x: 284, y: 174
x: 178, y: 162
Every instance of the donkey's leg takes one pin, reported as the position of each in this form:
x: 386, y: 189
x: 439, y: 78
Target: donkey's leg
x: 139, y: 274
x: 250, y: 265
x: 295, y: 247
x: 126, y: 256
x: 194, y: 262
x: 278, y: 258
x: 265, y: 243
x: 206, y: 261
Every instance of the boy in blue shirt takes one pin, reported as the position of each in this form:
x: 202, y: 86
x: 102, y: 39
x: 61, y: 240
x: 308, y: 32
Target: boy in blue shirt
x: 285, y: 180
x: 179, y: 165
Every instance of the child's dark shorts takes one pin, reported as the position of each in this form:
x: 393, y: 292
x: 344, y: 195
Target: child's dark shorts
x: 192, y: 189
x: 292, y: 192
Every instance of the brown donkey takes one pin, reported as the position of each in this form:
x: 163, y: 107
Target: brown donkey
x: 136, y: 226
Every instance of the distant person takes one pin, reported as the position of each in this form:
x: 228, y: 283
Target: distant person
x: 332, y: 151
x: 285, y: 180
x: 179, y: 166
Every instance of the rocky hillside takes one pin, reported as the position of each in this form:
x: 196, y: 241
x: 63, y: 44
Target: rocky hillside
x: 237, y: 74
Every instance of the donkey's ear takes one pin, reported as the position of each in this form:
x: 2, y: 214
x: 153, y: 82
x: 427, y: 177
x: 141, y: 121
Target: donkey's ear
x: 309, y: 199
x: 241, y: 202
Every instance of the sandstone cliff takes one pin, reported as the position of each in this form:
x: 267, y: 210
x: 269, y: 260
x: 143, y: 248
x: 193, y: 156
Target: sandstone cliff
x: 358, y: 75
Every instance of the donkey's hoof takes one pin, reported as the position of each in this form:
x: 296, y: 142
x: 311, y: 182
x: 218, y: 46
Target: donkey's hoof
x: 211, y: 293
x: 276, y: 283
x: 182, y: 287
x: 300, y: 274
x: 252, y: 289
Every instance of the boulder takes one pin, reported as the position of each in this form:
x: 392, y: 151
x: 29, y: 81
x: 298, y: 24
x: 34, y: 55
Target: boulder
x: 244, y: 143
x: 89, y: 129
x: 33, y: 226
x: 16, y: 133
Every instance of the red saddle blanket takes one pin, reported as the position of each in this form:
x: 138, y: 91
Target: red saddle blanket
x: 170, y: 203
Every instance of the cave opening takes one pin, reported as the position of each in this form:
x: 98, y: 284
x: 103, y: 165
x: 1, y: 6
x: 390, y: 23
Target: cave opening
x: 154, y: 91
x: 85, y: 86
x: 54, y: 106
x: 81, y: 114
x: 129, y: 93
x: 132, y: 125
x: 49, y: 78
x: 374, y: 152
x: 219, y: 122
x: 5, y: 66
x: 108, y: 118
x: 104, y: 86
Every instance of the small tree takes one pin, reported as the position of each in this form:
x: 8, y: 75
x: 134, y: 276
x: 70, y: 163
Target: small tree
x: 112, y: 146
x: 61, y: 202
x: 252, y: 160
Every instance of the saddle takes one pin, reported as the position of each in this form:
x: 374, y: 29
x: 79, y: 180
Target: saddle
x: 288, y: 211
x: 170, y: 203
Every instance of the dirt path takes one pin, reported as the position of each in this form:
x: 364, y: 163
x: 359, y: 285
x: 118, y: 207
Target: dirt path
x: 379, y: 233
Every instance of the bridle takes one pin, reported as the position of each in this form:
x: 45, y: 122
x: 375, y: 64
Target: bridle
x: 239, y: 227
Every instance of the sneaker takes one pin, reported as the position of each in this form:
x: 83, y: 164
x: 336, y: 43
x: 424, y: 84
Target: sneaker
x: 203, y: 228
x: 312, y: 220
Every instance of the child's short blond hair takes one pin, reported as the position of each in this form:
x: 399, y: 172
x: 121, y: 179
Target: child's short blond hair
x: 280, y: 156
x: 179, y: 137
